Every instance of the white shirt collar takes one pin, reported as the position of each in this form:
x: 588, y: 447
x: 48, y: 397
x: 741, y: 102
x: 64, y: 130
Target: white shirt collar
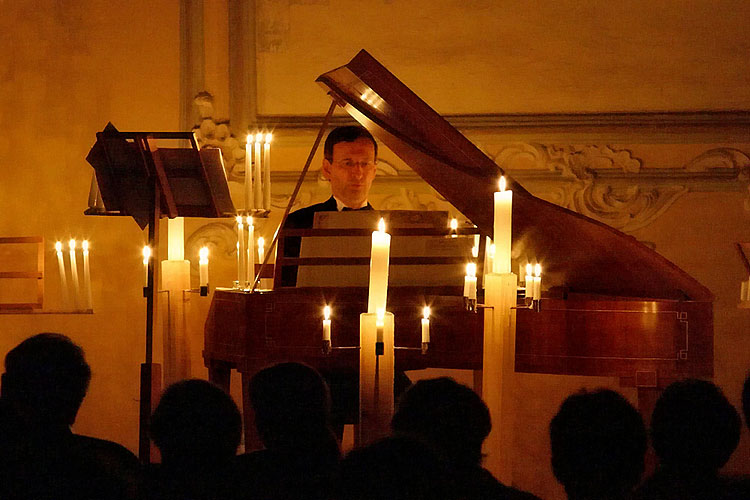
x: 340, y: 205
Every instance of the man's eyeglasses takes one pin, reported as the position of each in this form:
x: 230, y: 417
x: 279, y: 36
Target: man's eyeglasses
x: 351, y: 164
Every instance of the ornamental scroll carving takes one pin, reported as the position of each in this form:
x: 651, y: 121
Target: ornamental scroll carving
x: 609, y: 184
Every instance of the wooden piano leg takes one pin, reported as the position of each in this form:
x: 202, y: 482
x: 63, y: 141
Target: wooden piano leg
x: 220, y: 374
x: 252, y: 439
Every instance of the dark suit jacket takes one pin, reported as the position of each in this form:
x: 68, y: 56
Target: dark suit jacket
x: 303, y: 219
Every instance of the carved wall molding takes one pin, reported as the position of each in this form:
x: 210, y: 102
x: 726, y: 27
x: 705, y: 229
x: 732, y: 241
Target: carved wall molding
x: 219, y: 237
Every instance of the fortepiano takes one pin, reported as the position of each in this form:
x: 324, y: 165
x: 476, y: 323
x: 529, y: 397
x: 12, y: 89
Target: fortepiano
x: 612, y: 306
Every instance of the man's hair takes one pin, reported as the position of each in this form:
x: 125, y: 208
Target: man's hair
x: 598, y: 442
x: 196, y: 421
x: 349, y: 133
x: 746, y: 400
x: 449, y: 416
x: 49, y: 374
x: 292, y: 404
x: 694, y: 426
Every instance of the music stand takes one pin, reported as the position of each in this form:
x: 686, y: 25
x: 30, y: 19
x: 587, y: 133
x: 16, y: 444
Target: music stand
x: 136, y: 178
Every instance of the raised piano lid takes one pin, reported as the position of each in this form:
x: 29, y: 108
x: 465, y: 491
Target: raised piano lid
x: 575, y: 251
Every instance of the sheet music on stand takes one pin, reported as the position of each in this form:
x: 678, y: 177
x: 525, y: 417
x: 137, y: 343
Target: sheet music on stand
x: 435, y: 260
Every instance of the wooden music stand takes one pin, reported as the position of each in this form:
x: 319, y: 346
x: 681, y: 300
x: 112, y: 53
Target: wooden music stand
x: 138, y: 179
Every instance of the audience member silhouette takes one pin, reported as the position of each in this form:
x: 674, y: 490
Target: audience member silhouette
x: 598, y: 443
x: 291, y: 403
x: 746, y: 401
x: 694, y: 430
x: 454, y: 421
x: 395, y: 468
x: 45, y: 381
x: 197, y: 428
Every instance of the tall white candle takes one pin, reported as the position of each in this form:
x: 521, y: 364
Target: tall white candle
x: 489, y: 262
x: 530, y: 282
x: 203, y: 266
x: 242, y: 258
x: 63, y: 278
x: 74, y: 273
x: 249, y: 202
x: 502, y: 228
x: 267, y: 173
x: 261, y: 249
x: 470, y: 281
x: 380, y: 325
x: 426, y: 325
x: 537, y: 282
x: 86, y: 276
x: 146, y: 257
x: 454, y: 227
x: 327, y: 323
x: 258, y: 184
x: 250, y: 270
x: 379, y: 260
x: 176, y: 238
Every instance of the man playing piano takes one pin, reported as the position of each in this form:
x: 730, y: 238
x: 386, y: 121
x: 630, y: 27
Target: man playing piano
x: 349, y: 163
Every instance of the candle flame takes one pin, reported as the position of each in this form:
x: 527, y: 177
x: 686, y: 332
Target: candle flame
x: 261, y: 241
x: 58, y: 246
x: 146, y: 254
x: 203, y: 253
x: 528, y: 269
x: 538, y: 270
x: 72, y: 244
x: 426, y: 312
x: 502, y: 183
x: 249, y: 220
x: 471, y: 270
x: 327, y: 312
x: 268, y: 138
x: 475, y: 252
x: 381, y: 225
x: 454, y: 224
x: 238, y: 219
x: 85, y: 245
x: 258, y: 138
x: 492, y: 250
x: 250, y: 138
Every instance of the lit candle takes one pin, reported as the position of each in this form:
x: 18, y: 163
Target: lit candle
x: 203, y: 265
x: 86, y: 275
x: 241, y: 257
x: 261, y: 249
x: 146, y: 257
x: 426, y: 325
x: 530, y: 283
x: 454, y: 227
x: 257, y: 191
x: 537, y: 282
x: 379, y: 260
x: 267, y: 173
x: 502, y: 228
x: 327, y: 324
x: 249, y: 202
x: 470, y: 281
x: 74, y: 272
x: 63, y: 279
x: 250, y: 269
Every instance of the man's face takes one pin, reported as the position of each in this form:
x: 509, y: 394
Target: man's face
x: 351, y: 171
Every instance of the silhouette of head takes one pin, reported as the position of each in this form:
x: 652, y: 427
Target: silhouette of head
x: 196, y: 421
x: 393, y: 468
x: 48, y: 376
x: 746, y: 401
x: 447, y: 415
x: 291, y: 404
x: 694, y: 427
x: 598, y: 442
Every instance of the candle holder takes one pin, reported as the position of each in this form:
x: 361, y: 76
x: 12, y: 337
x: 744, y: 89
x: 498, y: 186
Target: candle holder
x: 379, y: 348
x: 204, y: 291
x: 256, y: 213
x: 425, y: 347
x: 470, y: 304
x: 145, y: 292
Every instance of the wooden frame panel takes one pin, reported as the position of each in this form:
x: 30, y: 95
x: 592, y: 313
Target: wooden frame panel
x: 37, y: 275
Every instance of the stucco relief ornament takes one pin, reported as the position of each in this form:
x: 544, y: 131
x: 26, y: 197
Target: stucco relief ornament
x: 214, y: 133
x: 219, y: 237
x: 725, y: 158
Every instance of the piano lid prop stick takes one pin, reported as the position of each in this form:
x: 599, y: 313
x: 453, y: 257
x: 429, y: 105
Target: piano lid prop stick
x: 63, y: 275
x: 249, y: 202
x: 502, y: 228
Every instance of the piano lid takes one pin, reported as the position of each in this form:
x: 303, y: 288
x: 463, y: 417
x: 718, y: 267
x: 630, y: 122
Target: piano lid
x: 575, y: 251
